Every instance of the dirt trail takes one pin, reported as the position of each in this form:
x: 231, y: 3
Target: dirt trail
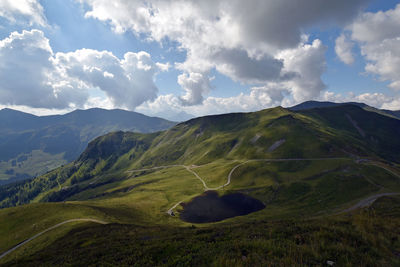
x: 367, y: 202
x: 362, y: 203
x: 383, y: 167
x: 49, y: 229
x: 206, y: 188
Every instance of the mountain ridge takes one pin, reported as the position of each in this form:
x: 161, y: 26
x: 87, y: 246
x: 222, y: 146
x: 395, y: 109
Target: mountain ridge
x: 323, y: 104
x: 31, y: 145
x: 332, y: 132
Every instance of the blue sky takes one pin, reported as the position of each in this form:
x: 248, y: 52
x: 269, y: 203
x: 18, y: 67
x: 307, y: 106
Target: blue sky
x: 278, y: 58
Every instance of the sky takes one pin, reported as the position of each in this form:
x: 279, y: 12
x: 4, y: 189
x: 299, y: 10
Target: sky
x: 182, y: 58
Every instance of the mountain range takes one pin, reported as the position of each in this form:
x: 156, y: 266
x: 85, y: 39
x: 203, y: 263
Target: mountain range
x: 319, y: 180
x: 32, y: 145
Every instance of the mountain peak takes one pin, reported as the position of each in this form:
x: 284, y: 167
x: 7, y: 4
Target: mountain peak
x: 14, y: 111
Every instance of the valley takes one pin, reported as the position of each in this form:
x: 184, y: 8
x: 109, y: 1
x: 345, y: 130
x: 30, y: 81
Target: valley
x: 33, y: 145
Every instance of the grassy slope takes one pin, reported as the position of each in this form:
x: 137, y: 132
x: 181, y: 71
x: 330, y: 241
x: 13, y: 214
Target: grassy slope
x: 20, y: 223
x: 207, y: 140
x: 216, y: 144
x: 366, y: 238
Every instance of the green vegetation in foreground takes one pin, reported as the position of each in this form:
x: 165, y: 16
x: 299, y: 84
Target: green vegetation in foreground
x: 20, y: 223
x: 369, y: 237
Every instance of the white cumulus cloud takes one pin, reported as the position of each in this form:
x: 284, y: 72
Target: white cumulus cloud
x: 242, y: 40
x: 23, y: 11
x: 33, y: 75
x: 257, y: 98
x: 28, y: 74
x: 378, y: 35
x: 308, y: 62
x: 377, y: 100
x: 128, y: 82
x: 343, y: 49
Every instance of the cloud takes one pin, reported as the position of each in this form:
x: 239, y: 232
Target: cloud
x: 163, y: 66
x: 377, y: 100
x: 343, y: 49
x: 256, y: 24
x: 258, y: 98
x: 32, y: 75
x: 394, y: 104
x: 378, y: 35
x: 240, y: 40
x: 308, y: 62
x: 127, y: 82
x: 165, y: 106
x: 238, y: 65
x: 23, y: 11
x: 195, y: 84
x: 297, y: 81
x: 27, y: 74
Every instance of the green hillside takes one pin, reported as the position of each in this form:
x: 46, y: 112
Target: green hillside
x: 32, y: 145
x: 306, y: 171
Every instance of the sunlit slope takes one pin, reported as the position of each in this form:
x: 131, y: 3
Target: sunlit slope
x: 338, y: 132
x: 240, y: 136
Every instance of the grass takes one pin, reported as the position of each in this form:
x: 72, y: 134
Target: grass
x: 289, y: 189
x: 304, y: 189
x: 20, y: 223
x: 215, y: 173
x: 366, y: 238
x: 153, y: 193
x: 97, y: 185
x: 35, y: 163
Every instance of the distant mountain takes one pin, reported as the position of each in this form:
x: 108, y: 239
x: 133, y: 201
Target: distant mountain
x: 325, y: 104
x: 31, y: 145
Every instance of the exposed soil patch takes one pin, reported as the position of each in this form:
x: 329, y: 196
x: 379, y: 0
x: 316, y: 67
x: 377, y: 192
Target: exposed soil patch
x: 276, y: 145
x: 209, y: 207
x: 354, y: 123
x: 255, y: 138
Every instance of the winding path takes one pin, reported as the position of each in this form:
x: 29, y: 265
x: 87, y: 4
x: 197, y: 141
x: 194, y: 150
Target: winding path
x: 49, y: 229
x: 206, y: 188
x: 363, y: 203
x: 170, y: 166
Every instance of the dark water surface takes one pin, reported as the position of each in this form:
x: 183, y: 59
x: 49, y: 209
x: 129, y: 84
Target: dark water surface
x: 209, y: 207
